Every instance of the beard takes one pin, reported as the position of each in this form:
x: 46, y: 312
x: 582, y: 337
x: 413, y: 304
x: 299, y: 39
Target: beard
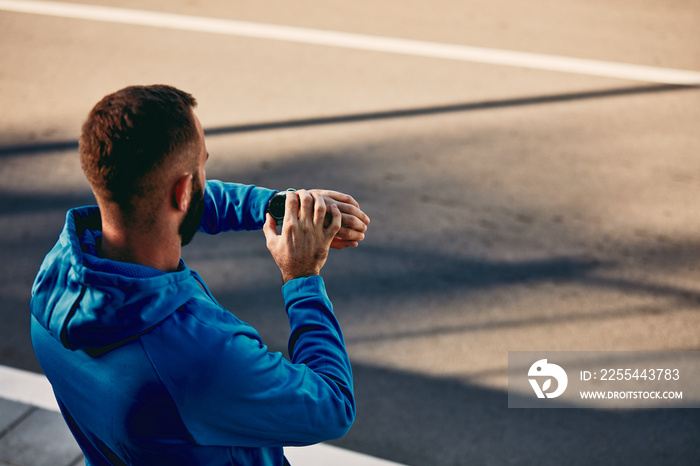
x: 193, y: 218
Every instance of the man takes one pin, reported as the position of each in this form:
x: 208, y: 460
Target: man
x: 146, y: 366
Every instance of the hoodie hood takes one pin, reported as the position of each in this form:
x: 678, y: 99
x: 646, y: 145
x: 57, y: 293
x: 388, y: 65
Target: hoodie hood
x: 86, y: 302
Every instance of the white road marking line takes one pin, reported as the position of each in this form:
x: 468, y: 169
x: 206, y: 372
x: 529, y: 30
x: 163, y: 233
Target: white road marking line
x: 358, y: 41
x: 27, y: 387
x: 35, y: 390
x: 323, y: 455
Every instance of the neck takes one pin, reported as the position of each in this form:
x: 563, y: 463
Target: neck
x: 140, y: 247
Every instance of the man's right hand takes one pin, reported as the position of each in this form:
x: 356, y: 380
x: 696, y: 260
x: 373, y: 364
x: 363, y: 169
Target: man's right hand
x: 302, y: 247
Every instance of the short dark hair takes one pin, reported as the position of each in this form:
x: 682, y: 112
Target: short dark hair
x: 132, y: 133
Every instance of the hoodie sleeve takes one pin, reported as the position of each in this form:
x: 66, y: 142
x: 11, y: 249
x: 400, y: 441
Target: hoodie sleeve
x: 240, y: 394
x: 233, y: 206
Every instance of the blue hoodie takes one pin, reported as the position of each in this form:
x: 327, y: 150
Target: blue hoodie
x: 148, y: 369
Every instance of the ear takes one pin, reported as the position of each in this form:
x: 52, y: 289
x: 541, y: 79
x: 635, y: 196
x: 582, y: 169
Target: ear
x: 181, y: 192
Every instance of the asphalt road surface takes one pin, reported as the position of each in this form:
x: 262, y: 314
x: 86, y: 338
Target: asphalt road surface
x: 513, y: 208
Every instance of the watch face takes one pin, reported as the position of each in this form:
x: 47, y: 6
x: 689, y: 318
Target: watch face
x: 276, y: 206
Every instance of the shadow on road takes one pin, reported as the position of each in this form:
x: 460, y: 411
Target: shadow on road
x: 72, y: 145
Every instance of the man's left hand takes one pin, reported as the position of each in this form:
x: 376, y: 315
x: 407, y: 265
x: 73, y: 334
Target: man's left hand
x: 354, y: 220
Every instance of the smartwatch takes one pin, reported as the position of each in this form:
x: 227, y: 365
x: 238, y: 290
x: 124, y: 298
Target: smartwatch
x: 276, y: 205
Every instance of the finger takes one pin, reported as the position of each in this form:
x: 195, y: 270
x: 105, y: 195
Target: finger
x: 334, y: 227
x: 306, y: 206
x: 338, y: 243
x: 291, y: 208
x: 348, y: 234
x: 270, y: 229
x: 319, y: 208
x: 355, y: 212
x: 338, y: 197
x: 353, y: 223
